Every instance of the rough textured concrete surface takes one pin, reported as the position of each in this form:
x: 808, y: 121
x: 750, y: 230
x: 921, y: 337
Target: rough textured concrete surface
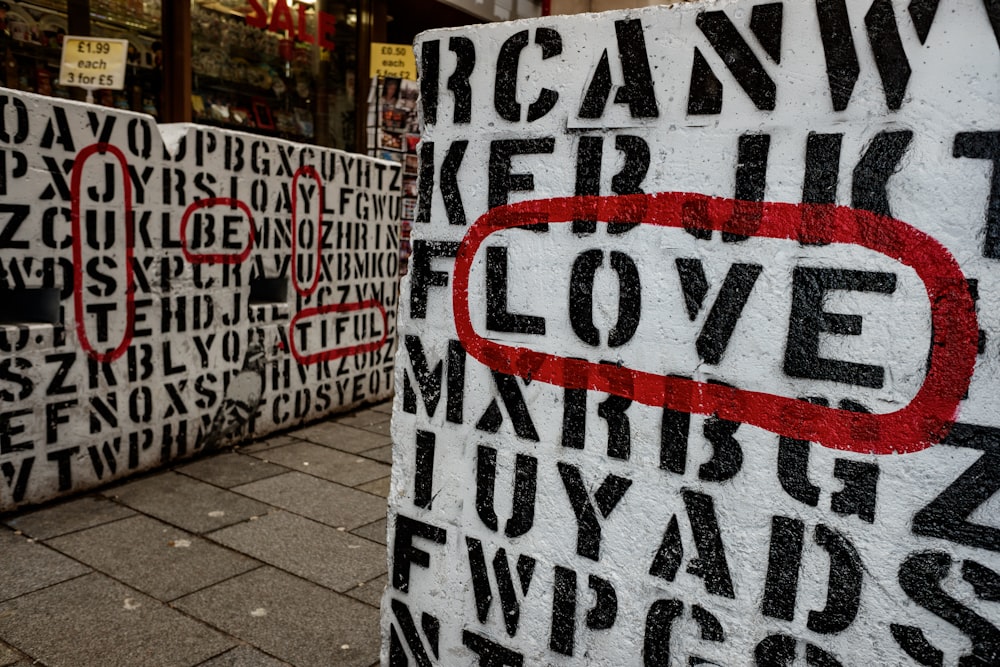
x: 168, y: 290
x: 698, y: 353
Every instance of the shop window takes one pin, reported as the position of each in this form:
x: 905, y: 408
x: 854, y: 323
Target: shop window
x: 31, y: 37
x: 281, y: 68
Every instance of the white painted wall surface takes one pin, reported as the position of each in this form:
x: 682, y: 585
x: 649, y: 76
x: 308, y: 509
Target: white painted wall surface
x: 725, y: 537
x: 112, y: 379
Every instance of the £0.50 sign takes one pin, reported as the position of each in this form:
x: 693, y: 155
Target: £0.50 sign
x: 393, y: 60
x: 92, y: 62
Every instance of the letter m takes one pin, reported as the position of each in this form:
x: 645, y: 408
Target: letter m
x: 421, y: 377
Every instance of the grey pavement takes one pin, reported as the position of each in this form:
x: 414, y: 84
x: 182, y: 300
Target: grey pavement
x: 269, y: 554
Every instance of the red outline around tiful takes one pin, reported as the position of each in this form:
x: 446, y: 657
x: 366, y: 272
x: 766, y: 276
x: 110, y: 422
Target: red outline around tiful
x: 337, y: 353
x: 81, y: 328
x: 308, y: 170
x: 920, y: 424
x: 216, y: 258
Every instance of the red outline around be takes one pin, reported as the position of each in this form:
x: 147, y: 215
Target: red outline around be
x: 337, y: 353
x: 925, y: 421
x: 216, y: 258
x: 81, y: 328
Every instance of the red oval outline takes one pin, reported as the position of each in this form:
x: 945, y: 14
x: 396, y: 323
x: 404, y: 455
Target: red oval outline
x: 337, y: 353
x: 216, y: 258
x: 81, y: 329
x: 308, y: 170
x: 923, y: 422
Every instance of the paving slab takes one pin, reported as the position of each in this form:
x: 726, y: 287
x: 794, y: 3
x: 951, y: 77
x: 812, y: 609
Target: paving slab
x: 385, y: 407
x: 379, y: 487
x: 230, y: 469
x: 244, y: 656
x: 9, y: 656
x: 319, y: 461
x: 94, y: 621
x: 66, y: 517
x: 153, y: 557
x: 370, y: 592
x: 29, y: 566
x: 292, y: 619
x: 318, y: 499
x: 311, y: 550
x: 185, y: 502
x: 364, y: 418
x: 342, y: 437
x: 373, y: 531
x: 383, y: 454
x: 267, y: 443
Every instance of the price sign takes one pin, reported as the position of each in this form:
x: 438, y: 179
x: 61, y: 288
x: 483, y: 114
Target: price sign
x: 395, y: 60
x: 93, y: 62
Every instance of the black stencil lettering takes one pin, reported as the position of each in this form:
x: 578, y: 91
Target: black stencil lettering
x: 628, y: 181
x: 947, y: 516
x: 57, y: 385
x: 751, y: 181
x: 21, y: 111
x: 993, y: 13
x: 613, y: 410
x: 524, y: 490
x: 54, y: 416
x: 727, y: 455
x: 629, y: 299
x: 18, y: 214
x: 404, y: 553
x: 505, y: 84
x: 490, y: 653
x: 711, y: 629
x: 17, y: 478
x: 456, y: 382
x: 9, y: 430
x: 430, y: 72
x: 405, y: 622
x: 513, y: 400
x: 498, y: 318
x: 605, y: 610
x: 581, y: 296
x: 669, y: 556
x: 819, y: 186
x: 726, y: 311
x: 563, y: 631
x: 808, y: 320
x: 429, y: 381
x: 450, y: 193
x: 914, y: 642
x: 551, y: 42
x: 922, y: 14
x: 606, y: 498
x: 656, y: 638
x: 574, y: 424
x: 784, y: 558
x: 860, y: 487
x: 887, y: 47
x: 874, y: 169
x: 765, y: 24
x: 501, y: 181
x: 985, y: 146
x: 64, y: 462
x: 705, y: 91
x: 779, y: 651
x: 425, y: 189
x: 984, y: 581
x: 920, y: 577
x: 738, y: 57
x: 674, y: 428
x: 711, y: 563
x: 458, y: 82
x: 843, y: 596
x: 694, y: 284
x: 60, y: 134
x: 423, y: 483
x: 793, y: 470
x: 509, y: 603
x: 817, y: 657
x: 596, y: 95
x: 842, y: 68
x: 423, y: 277
x: 637, y: 91
x: 589, y: 154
